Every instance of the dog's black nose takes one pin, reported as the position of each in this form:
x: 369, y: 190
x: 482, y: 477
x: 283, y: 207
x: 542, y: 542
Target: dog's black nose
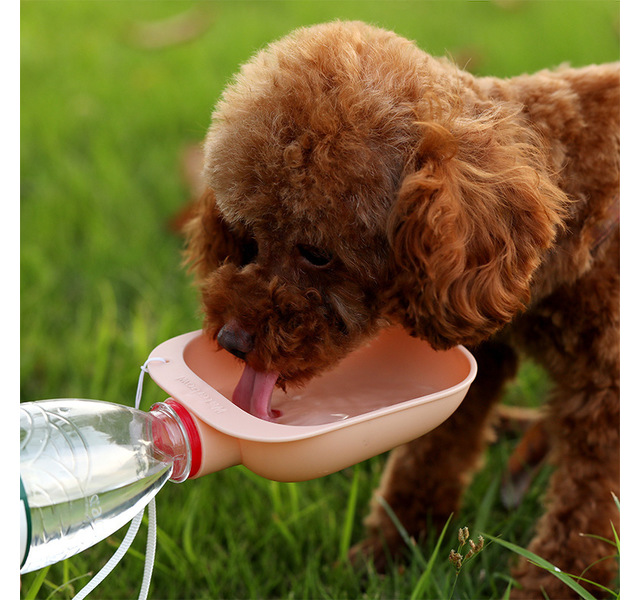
x: 235, y: 339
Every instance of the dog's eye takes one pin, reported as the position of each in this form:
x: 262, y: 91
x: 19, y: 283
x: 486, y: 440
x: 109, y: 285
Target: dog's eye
x: 248, y: 251
x: 316, y: 257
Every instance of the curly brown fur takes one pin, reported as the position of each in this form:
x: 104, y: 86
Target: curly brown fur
x: 354, y: 181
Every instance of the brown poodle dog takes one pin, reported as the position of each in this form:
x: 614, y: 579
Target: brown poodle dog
x: 353, y: 181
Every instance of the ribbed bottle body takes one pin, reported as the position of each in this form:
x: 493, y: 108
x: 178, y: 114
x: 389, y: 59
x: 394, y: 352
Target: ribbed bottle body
x: 86, y: 469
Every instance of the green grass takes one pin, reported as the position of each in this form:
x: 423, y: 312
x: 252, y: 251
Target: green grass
x: 103, y: 121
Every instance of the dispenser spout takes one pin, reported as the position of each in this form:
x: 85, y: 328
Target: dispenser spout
x: 196, y: 448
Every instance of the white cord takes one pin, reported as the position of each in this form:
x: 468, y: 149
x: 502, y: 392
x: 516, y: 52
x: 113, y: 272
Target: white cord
x: 143, y: 370
x: 114, y: 560
x: 150, y: 554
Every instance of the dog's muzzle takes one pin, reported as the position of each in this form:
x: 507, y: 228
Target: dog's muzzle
x: 235, y: 339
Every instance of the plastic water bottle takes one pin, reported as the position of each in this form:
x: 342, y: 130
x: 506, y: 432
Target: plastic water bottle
x: 87, y: 468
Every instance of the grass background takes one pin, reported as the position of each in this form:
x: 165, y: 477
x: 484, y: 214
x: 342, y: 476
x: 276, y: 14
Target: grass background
x: 104, y: 118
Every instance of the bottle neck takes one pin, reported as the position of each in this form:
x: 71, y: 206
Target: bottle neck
x: 175, y: 434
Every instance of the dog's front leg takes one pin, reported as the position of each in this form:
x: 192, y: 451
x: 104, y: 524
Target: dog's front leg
x: 575, y: 333
x: 424, y: 479
x: 580, y: 507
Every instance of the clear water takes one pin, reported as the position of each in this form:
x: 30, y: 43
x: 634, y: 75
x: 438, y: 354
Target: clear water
x: 316, y: 406
x: 88, y: 468
x: 64, y: 528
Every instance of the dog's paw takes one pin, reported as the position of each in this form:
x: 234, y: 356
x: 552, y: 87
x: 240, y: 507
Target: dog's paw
x: 377, y: 552
x: 369, y: 552
x: 534, y: 583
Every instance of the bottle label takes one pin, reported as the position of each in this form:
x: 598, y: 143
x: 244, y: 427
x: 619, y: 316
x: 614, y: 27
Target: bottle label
x: 25, y: 525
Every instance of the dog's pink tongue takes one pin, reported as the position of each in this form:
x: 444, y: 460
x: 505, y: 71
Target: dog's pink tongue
x: 253, y: 393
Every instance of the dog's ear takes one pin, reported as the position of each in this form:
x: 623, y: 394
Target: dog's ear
x: 468, y: 230
x: 210, y: 241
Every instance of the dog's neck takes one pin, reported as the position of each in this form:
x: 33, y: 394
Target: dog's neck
x: 577, y: 113
x: 580, y: 131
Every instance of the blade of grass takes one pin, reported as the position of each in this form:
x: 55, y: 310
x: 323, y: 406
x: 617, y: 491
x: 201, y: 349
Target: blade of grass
x: 507, y: 592
x: 276, y: 498
x: 419, y: 591
x: 594, y: 583
x: 347, y: 528
x: 545, y: 564
x: 187, y: 530
x: 484, y: 508
x: 67, y: 585
x: 602, y: 538
x: 616, y: 537
x: 65, y: 570
x: 616, y: 500
x: 403, y: 533
x: 286, y: 532
x: 104, y: 339
x: 294, y: 497
x: 34, y: 588
x: 178, y: 559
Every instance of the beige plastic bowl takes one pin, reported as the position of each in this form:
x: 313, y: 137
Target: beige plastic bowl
x: 385, y: 394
